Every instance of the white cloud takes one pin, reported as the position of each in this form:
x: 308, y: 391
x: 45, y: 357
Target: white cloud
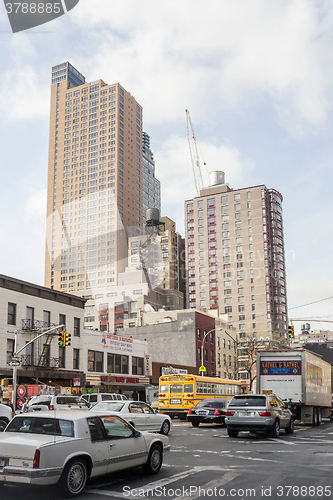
x: 35, y: 205
x: 22, y: 234
x: 222, y: 55
x: 22, y: 94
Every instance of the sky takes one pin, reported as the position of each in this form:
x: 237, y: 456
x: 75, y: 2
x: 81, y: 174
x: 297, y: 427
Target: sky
x: 257, y: 79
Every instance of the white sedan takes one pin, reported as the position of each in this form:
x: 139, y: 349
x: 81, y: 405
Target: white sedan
x: 138, y: 414
x: 68, y: 447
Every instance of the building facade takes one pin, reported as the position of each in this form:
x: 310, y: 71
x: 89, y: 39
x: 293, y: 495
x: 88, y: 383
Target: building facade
x: 153, y: 280
x: 151, y: 187
x: 93, y: 360
x: 235, y: 257
x: 94, y: 181
x: 186, y: 340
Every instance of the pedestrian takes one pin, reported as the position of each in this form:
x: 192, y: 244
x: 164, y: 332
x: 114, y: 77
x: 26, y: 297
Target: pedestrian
x: 24, y: 407
x: 9, y: 403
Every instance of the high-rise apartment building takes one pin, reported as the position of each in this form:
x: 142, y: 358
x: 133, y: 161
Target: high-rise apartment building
x: 235, y: 257
x: 95, y: 181
x: 151, y: 187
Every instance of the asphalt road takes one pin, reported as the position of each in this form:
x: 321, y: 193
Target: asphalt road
x: 205, y: 463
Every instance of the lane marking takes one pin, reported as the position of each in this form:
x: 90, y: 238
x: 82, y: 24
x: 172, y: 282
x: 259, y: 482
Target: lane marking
x: 227, y: 478
x: 160, y: 483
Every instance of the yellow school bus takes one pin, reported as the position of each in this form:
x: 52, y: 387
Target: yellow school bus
x: 178, y: 393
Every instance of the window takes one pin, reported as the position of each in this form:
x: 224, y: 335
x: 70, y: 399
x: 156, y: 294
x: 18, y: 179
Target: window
x: 76, y: 327
x: 10, y: 349
x: 118, y: 363
x: 62, y: 320
x: 224, y: 199
x: 241, y: 308
x: 95, y: 361
x: 95, y: 429
x: 76, y: 359
x: 62, y: 357
x: 11, y: 318
x: 47, y: 318
x: 30, y: 316
x: 237, y: 197
x: 137, y: 366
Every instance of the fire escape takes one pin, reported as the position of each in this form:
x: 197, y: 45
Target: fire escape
x: 39, y: 355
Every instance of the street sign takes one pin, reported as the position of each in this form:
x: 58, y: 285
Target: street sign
x: 21, y: 391
x: 20, y: 403
x: 14, y: 363
x: 202, y: 368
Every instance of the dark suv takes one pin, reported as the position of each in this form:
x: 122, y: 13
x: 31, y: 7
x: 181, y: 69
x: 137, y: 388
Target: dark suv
x: 208, y: 411
x: 258, y: 413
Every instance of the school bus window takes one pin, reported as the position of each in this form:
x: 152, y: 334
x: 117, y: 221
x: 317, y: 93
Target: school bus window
x: 188, y: 388
x: 164, y: 388
x: 176, y: 388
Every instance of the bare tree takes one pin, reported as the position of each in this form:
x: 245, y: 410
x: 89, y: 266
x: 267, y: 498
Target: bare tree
x: 251, y: 346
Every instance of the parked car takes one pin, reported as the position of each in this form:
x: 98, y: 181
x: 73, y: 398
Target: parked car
x: 6, y: 414
x: 208, y: 411
x: 96, y: 397
x: 258, y: 413
x: 68, y: 447
x: 55, y: 402
x: 138, y: 414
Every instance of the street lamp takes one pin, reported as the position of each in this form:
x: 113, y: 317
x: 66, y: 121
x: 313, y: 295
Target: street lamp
x: 202, y: 344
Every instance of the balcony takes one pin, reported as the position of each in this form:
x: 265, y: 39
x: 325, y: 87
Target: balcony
x: 35, y: 325
x: 45, y: 361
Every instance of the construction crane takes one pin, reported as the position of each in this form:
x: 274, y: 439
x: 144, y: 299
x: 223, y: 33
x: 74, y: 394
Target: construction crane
x: 194, y: 154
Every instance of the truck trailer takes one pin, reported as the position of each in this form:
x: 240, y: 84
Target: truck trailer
x: 300, y: 378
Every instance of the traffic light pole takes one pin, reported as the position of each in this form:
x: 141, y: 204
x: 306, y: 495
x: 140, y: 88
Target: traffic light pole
x: 16, y: 353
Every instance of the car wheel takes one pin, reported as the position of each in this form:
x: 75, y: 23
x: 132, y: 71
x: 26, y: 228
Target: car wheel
x: 315, y: 417
x: 165, y: 429
x: 319, y: 416
x: 154, y: 462
x: 290, y: 428
x: 74, y: 477
x: 3, y: 425
x: 275, y: 430
x: 195, y: 424
x: 232, y: 433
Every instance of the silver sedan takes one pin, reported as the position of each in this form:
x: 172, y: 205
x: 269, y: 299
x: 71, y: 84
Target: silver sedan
x: 138, y: 414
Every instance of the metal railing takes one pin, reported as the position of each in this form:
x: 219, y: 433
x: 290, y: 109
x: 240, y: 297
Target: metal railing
x: 45, y: 361
x: 35, y: 324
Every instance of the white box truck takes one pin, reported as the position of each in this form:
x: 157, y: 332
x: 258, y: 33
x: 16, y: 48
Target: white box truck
x: 300, y: 378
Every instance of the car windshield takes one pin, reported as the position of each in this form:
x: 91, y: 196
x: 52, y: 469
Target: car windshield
x: 71, y: 400
x: 40, y: 401
x: 109, y: 406
x: 50, y: 426
x: 248, y: 401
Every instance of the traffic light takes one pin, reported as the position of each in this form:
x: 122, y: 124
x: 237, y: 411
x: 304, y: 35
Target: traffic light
x: 291, y: 331
x: 61, y: 339
x: 67, y: 339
